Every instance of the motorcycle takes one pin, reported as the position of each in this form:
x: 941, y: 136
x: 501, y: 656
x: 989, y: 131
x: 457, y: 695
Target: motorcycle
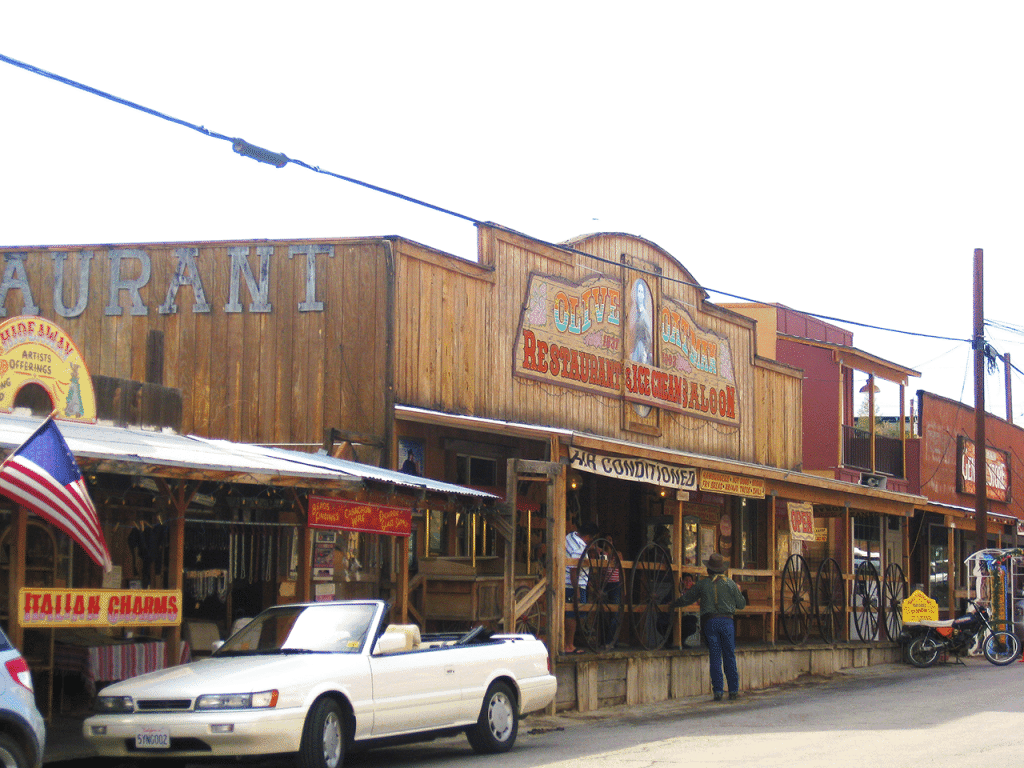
x: 926, y: 640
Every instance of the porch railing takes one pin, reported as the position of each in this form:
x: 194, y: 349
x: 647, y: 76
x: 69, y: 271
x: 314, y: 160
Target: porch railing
x: 857, y: 452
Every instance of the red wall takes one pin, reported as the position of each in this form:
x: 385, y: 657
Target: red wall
x: 942, y: 421
x: 820, y: 401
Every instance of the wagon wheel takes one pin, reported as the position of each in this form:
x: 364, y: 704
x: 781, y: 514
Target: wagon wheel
x: 866, y: 596
x: 894, y: 592
x: 796, y: 599
x: 534, y: 620
x: 600, y: 574
x: 651, y: 592
x: 830, y: 599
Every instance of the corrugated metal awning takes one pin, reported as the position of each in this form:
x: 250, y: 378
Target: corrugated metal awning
x: 135, y: 451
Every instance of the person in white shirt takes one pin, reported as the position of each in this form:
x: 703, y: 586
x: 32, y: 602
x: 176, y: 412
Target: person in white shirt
x: 575, y: 543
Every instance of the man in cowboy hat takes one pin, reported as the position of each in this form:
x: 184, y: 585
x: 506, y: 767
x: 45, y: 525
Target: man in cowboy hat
x: 721, y: 598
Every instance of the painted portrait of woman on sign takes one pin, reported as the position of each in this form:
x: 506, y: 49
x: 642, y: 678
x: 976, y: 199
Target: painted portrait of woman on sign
x: 640, y: 330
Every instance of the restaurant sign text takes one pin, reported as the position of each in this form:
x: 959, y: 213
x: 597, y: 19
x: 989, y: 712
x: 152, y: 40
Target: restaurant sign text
x: 580, y: 335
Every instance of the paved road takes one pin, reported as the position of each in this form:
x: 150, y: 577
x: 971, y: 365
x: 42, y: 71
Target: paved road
x: 892, y: 715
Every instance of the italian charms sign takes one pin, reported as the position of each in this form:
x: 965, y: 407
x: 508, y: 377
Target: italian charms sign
x: 45, y: 607
x: 342, y: 515
x: 575, y: 335
x: 35, y: 351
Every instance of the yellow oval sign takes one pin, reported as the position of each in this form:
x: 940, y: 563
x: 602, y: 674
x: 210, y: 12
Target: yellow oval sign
x: 35, y: 351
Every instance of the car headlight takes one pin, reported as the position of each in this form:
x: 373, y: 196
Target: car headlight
x: 112, y: 705
x: 260, y: 700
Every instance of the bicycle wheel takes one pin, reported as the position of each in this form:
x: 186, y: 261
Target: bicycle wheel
x: 796, y: 599
x: 866, y: 593
x: 830, y: 600
x: 1001, y: 647
x: 651, y: 592
x: 894, y: 592
x: 598, y: 617
x: 923, y: 651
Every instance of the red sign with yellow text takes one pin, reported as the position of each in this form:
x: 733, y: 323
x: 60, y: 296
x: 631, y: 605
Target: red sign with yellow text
x: 361, y: 516
x: 52, y: 607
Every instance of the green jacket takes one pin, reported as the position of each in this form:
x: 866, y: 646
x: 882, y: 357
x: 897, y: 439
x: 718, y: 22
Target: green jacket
x: 717, y: 594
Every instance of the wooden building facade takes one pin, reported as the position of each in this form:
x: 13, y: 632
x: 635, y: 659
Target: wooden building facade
x: 589, y: 381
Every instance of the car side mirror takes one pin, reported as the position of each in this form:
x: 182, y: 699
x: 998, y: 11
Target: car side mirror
x: 215, y: 645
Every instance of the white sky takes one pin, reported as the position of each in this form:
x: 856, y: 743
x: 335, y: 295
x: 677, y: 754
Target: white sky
x: 842, y: 159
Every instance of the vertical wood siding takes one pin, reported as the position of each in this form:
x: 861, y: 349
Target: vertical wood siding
x: 457, y: 327
x: 270, y: 377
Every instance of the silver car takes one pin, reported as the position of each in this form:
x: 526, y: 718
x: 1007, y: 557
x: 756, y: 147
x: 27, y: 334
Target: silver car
x: 22, y: 730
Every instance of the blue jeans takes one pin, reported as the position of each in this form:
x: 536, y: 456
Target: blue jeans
x: 721, y: 636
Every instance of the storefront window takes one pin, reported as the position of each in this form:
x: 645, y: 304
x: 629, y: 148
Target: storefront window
x: 748, y: 534
x: 866, y: 542
x: 437, y: 533
x: 690, y: 541
x: 938, y: 560
x: 476, y: 471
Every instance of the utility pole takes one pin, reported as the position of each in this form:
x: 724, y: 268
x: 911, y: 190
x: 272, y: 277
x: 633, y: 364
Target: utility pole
x: 1009, y: 387
x: 980, y: 463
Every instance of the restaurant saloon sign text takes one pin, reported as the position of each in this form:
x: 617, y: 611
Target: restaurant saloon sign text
x: 595, y: 337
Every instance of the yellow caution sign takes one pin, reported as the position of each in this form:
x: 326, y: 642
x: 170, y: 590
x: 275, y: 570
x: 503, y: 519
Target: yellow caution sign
x: 920, y: 607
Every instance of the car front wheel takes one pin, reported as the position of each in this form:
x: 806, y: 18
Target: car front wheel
x: 498, y: 724
x: 11, y: 755
x: 323, y: 736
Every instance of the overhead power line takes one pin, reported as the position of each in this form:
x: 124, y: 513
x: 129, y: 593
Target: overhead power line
x: 280, y: 160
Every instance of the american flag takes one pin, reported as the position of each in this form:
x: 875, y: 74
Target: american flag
x: 43, y: 477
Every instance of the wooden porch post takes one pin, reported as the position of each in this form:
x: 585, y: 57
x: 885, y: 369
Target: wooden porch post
x: 556, y: 562
x: 508, y: 603
x: 179, y: 498
x: 15, y: 632
x: 677, y: 566
x: 772, y: 566
x: 402, y: 588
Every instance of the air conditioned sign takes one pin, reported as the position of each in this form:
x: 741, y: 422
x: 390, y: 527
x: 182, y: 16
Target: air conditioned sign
x: 629, y: 468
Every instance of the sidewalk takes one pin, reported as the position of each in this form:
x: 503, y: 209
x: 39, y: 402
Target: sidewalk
x: 65, y: 740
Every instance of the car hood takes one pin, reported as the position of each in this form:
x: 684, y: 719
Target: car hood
x: 233, y: 674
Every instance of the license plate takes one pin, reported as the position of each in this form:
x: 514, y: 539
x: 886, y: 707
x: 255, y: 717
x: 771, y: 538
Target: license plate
x: 153, y: 738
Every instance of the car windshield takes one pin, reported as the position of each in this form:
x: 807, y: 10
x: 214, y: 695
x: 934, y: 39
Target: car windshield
x: 328, y: 628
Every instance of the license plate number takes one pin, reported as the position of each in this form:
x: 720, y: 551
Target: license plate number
x: 153, y: 738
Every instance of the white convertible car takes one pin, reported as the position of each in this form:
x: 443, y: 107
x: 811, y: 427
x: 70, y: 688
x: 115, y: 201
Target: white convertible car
x: 318, y: 679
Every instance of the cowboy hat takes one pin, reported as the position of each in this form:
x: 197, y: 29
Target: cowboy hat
x: 716, y: 563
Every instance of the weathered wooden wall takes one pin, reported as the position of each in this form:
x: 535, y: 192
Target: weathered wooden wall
x: 942, y: 421
x: 457, y: 325
x: 281, y: 375
x: 606, y: 680
x: 315, y: 357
